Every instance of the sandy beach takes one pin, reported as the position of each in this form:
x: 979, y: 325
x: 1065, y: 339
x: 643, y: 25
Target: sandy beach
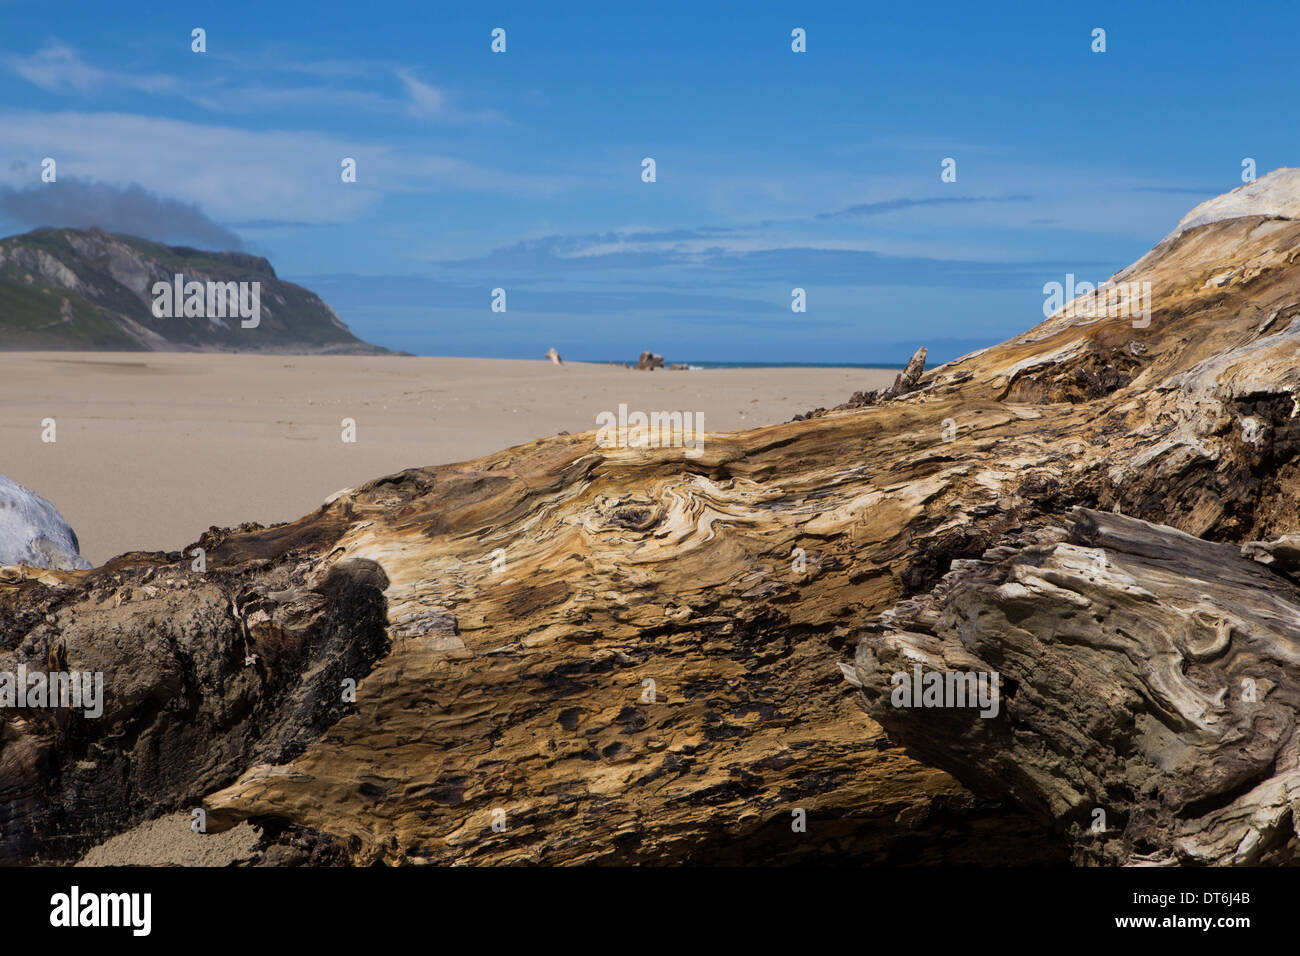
x: 153, y: 448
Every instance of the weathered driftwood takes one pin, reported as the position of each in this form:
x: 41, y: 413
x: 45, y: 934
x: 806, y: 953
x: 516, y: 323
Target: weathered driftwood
x: 203, y: 674
x: 1149, y: 688
x: 529, y: 697
x: 502, y: 618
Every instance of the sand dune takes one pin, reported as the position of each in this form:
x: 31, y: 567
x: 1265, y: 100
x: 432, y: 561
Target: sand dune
x: 153, y: 448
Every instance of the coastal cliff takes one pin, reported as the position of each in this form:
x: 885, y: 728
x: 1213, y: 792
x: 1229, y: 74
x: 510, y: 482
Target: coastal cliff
x: 86, y: 289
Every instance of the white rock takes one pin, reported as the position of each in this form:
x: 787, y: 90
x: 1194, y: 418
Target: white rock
x: 33, y: 533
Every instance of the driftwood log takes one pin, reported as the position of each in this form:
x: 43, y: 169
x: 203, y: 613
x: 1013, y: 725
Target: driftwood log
x: 1149, y: 688
x: 566, y: 652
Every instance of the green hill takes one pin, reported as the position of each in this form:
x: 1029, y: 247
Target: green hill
x: 92, y: 290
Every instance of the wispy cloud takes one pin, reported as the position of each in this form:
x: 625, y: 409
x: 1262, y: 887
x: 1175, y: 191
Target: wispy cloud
x: 259, y: 97
x: 239, y: 174
x: 747, y: 260
x: 58, y: 68
x: 258, y: 84
x: 894, y: 205
x: 425, y: 100
x: 233, y: 174
x: 430, y: 102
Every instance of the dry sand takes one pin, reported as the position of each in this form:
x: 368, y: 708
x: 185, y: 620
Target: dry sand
x: 153, y: 448
x: 169, y: 841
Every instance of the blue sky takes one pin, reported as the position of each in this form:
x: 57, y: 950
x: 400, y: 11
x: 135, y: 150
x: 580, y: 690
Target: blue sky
x: 775, y: 169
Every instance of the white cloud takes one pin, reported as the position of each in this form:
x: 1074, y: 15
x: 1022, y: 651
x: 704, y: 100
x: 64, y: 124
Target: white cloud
x: 257, y: 83
x: 263, y: 98
x: 233, y: 174
x: 236, y: 174
x: 429, y: 102
x: 58, y: 68
x: 425, y: 100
